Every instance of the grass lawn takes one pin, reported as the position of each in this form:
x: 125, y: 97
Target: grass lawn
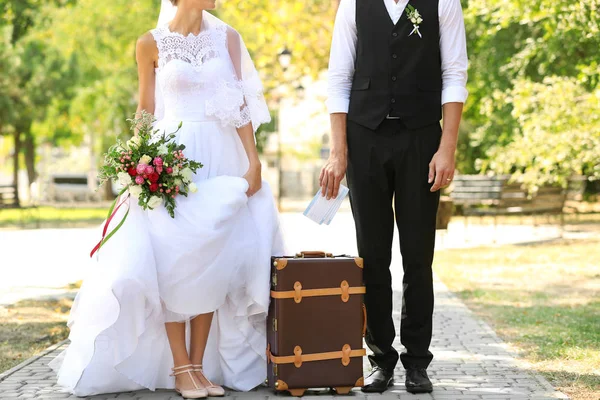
x: 544, y: 299
x: 50, y: 217
x: 30, y: 326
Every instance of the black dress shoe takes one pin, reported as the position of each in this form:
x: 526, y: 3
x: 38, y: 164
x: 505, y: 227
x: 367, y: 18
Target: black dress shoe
x: 417, y: 380
x: 378, y: 381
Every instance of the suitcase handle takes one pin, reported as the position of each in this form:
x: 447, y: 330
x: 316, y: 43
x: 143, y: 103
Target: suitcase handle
x: 314, y: 254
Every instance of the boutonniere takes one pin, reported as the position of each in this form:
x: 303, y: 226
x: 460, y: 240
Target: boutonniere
x: 415, y: 17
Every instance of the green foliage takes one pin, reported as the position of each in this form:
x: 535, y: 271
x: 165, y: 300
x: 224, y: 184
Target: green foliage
x: 559, y: 135
x: 268, y: 27
x: 514, y: 44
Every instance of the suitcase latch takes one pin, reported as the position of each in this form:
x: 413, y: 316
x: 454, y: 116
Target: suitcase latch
x: 274, y: 324
x: 274, y: 280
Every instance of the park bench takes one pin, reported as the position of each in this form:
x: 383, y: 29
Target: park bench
x: 10, y: 201
x: 480, y: 195
x: 71, y: 188
x: 8, y: 197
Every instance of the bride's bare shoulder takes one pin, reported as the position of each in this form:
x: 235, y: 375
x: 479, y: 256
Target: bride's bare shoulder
x: 146, y: 46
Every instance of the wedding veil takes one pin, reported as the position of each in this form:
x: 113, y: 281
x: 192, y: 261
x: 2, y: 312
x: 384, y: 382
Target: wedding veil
x: 245, y: 80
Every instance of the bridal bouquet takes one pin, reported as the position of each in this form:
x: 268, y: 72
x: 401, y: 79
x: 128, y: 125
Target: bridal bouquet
x: 150, y: 167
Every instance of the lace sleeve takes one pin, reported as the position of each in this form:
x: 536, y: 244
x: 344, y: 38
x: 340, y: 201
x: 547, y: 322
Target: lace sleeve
x: 239, y: 100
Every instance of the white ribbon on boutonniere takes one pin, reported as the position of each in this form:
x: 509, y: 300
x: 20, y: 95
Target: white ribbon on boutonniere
x: 415, y: 17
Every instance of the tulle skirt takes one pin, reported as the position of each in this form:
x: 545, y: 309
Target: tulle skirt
x: 214, y: 256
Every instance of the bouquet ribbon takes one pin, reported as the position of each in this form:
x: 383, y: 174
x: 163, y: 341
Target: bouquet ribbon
x: 111, y: 214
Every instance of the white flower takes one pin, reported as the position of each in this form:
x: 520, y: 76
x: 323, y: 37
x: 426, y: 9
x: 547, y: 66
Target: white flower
x: 413, y: 20
x: 192, y: 187
x: 419, y: 20
x: 135, y: 191
x: 145, y: 159
x: 154, y: 202
x: 163, y: 149
x: 175, y: 170
x: 124, y: 178
x: 187, y: 174
x: 134, y: 142
x: 178, y: 182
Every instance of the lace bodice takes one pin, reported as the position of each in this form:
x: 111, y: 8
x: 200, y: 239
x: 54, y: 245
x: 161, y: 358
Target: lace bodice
x: 198, y: 78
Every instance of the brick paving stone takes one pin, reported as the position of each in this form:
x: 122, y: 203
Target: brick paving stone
x: 471, y: 362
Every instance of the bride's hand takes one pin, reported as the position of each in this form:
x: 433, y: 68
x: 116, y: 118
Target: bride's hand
x: 254, y: 178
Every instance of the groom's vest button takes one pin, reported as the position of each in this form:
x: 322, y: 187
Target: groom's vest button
x: 394, y: 78
x: 394, y: 55
x: 393, y: 100
x: 395, y: 34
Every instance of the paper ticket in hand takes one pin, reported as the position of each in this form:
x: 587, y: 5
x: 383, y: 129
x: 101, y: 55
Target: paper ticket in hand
x: 322, y: 210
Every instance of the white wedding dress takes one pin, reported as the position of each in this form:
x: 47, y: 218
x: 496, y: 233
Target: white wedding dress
x: 213, y: 256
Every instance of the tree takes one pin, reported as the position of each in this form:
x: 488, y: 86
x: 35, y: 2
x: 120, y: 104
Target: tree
x: 515, y: 43
x: 268, y: 27
x: 29, y: 79
x: 559, y: 133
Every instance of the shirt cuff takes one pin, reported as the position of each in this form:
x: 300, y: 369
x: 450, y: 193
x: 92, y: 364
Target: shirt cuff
x: 337, y: 105
x: 454, y: 94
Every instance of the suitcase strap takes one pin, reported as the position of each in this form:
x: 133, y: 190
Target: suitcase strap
x: 298, y: 358
x: 298, y: 293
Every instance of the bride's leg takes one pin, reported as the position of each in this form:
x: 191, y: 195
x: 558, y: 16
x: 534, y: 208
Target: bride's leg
x: 200, y: 330
x: 176, y: 335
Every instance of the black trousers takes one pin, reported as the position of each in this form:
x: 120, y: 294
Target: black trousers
x: 390, y: 166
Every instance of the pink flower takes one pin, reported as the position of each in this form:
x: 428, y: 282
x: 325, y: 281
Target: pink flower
x: 139, y: 179
x: 168, y: 190
x: 141, y: 169
x: 149, y: 169
x: 169, y: 170
x: 158, y: 161
x: 159, y: 169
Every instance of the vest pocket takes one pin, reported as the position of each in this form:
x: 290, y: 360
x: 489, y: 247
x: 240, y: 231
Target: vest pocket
x: 361, y: 83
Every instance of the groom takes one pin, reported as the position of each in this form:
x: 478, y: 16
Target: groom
x: 394, y: 67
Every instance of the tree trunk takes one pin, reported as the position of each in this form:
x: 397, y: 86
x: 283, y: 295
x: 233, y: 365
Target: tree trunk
x: 108, y: 193
x: 17, y: 140
x: 29, y: 147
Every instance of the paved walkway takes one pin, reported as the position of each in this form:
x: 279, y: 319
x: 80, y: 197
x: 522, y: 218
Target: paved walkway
x: 470, y: 362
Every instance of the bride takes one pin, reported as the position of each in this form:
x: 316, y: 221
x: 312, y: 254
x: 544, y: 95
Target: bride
x: 181, y: 303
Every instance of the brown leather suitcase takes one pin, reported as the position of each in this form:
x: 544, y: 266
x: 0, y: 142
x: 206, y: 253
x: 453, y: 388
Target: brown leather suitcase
x: 316, y: 323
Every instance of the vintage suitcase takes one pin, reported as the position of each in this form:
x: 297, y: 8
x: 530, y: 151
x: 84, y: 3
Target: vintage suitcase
x: 316, y: 323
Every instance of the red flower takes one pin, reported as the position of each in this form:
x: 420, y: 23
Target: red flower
x: 132, y: 172
x: 153, y: 187
x: 153, y: 177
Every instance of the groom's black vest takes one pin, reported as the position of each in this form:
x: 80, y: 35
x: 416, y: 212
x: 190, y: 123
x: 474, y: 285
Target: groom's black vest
x: 396, y: 74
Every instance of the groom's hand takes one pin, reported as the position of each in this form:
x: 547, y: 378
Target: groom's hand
x: 441, y: 168
x: 332, y: 174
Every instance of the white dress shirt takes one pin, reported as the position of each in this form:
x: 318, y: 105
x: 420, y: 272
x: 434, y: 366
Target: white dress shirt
x: 453, y: 48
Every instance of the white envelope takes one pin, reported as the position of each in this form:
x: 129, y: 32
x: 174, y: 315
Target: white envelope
x: 321, y: 210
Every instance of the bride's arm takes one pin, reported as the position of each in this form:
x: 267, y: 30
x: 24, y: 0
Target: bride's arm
x: 253, y: 176
x: 146, y: 54
x: 246, y: 132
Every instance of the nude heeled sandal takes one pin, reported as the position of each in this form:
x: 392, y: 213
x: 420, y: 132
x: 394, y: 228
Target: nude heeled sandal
x: 198, y: 392
x: 213, y: 390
